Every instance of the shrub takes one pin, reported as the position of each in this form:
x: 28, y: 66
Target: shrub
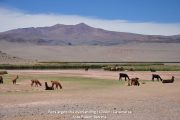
x: 3, y: 72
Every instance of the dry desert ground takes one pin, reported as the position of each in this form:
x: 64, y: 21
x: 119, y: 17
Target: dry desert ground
x: 89, y: 95
x: 159, y: 52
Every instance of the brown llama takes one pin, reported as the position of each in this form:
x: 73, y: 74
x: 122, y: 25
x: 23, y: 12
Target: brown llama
x: 36, y: 82
x: 156, y: 76
x: 15, y: 79
x: 1, y: 80
x: 133, y: 81
x: 121, y: 75
x: 58, y: 84
x: 169, y: 80
x: 47, y: 87
x: 87, y: 68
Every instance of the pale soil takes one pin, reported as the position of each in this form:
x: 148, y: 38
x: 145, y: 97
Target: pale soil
x: 10, y: 59
x: 162, y: 52
x: 150, y: 101
x: 145, y: 75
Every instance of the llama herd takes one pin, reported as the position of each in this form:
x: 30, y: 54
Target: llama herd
x: 36, y: 83
x: 135, y: 81
x: 56, y: 84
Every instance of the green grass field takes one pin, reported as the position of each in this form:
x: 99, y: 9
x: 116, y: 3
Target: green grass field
x: 83, y: 82
x: 126, y: 66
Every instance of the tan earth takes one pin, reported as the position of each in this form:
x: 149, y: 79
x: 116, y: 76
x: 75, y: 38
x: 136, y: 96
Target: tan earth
x: 149, y: 101
x: 141, y: 52
x: 9, y: 59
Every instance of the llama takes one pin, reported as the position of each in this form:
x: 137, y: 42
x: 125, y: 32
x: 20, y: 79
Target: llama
x: 14, y: 80
x: 47, y: 87
x: 156, y: 76
x: 1, y: 80
x: 133, y: 81
x: 121, y: 75
x: 36, y: 83
x: 87, y: 68
x: 58, y: 84
x: 169, y: 80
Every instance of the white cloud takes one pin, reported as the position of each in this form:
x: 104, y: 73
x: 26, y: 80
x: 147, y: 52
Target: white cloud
x: 12, y: 19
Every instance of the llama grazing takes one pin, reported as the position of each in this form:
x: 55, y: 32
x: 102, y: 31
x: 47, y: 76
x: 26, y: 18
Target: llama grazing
x: 47, y: 87
x: 169, y: 80
x: 58, y: 84
x: 133, y: 81
x: 156, y: 76
x: 121, y: 75
x: 87, y: 68
x: 36, y: 82
x: 1, y: 80
x: 15, y: 79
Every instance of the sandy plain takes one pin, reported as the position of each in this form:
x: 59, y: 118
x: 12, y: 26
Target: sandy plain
x: 89, y: 95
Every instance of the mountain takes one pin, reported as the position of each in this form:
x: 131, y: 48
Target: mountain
x: 80, y: 34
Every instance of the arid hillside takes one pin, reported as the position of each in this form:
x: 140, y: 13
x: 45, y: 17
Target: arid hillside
x: 80, y: 34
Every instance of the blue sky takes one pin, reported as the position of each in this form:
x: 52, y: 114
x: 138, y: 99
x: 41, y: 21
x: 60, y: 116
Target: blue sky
x: 150, y: 15
x: 132, y: 10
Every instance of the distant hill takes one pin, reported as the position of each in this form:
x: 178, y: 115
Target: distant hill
x: 80, y: 34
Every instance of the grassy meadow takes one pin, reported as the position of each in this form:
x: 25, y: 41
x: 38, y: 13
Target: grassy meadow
x: 93, y: 65
x: 83, y: 83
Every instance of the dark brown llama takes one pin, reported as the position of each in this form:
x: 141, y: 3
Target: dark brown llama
x: 133, y: 81
x: 169, y: 80
x: 87, y: 68
x: 123, y: 75
x: 156, y: 76
x: 1, y: 80
x: 47, y: 87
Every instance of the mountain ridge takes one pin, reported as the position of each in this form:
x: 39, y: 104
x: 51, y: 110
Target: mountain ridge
x: 79, y: 34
